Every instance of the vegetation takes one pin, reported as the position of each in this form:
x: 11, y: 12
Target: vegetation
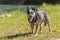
x: 29, y: 2
x: 17, y: 27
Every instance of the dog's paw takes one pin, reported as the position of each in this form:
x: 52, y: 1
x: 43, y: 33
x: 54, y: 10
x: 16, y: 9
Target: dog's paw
x: 35, y: 34
x: 50, y: 31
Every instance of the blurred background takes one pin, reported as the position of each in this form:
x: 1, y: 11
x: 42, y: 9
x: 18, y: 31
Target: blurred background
x: 9, y: 5
x: 28, y: 2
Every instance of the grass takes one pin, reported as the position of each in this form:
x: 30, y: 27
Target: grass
x: 17, y: 27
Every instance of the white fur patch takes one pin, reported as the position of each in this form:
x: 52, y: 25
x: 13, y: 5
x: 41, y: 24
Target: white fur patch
x: 34, y: 13
x: 31, y: 10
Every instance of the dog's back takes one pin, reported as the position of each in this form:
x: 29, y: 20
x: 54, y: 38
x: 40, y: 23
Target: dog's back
x: 43, y: 16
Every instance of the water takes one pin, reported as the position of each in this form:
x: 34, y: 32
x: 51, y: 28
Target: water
x: 8, y: 8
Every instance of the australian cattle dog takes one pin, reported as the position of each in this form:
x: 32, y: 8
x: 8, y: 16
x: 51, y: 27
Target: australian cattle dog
x: 36, y: 18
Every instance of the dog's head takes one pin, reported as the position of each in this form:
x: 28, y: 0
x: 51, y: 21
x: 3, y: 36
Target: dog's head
x: 31, y: 14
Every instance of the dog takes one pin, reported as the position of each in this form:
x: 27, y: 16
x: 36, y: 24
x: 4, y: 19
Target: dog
x: 35, y: 18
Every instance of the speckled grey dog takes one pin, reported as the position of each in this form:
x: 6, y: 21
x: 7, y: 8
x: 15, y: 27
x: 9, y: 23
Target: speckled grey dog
x: 36, y: 18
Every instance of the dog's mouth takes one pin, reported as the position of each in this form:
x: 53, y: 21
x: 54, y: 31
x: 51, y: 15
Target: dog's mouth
x: 30, y: 19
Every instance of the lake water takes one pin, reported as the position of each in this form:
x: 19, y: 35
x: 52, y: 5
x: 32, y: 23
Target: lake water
x: 8, y: 8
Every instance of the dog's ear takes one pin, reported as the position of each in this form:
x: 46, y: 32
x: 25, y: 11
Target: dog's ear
x: 27, y: 10
x: 34, y: 9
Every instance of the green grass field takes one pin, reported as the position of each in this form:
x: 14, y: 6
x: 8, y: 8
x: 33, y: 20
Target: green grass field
x: 17, y: 27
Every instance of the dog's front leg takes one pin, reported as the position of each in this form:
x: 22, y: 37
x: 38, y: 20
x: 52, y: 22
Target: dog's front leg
x: 32, y: 28
x: 37, y: 30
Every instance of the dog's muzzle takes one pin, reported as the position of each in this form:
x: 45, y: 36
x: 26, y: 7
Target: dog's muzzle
x: 30, y: 19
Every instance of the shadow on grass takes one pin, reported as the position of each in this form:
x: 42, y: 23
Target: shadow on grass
x: 17, y: 35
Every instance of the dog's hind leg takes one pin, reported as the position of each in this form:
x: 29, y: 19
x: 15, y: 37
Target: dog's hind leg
x: 49, y: 28
x: 40, y: 28
x: 48, y: 22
